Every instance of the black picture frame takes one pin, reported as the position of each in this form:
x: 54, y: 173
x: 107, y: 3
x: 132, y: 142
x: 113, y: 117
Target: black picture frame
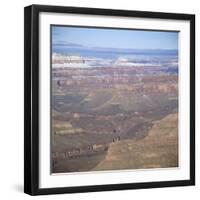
x: 31, y: 98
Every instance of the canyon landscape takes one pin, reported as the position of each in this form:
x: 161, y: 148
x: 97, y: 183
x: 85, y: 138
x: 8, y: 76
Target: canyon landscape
x: 113, y: 108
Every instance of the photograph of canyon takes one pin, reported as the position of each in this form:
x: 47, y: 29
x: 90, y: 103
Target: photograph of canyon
x: 114, y: 99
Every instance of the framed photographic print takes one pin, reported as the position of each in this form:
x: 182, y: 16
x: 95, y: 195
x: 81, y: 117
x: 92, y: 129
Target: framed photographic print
x: 109, y: 99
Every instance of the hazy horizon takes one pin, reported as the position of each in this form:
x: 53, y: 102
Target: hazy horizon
x: 101, y: 38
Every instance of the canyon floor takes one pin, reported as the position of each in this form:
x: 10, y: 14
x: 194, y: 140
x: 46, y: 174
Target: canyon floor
x: 157, y: 150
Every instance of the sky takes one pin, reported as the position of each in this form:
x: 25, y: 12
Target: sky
x: 113, y: 38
